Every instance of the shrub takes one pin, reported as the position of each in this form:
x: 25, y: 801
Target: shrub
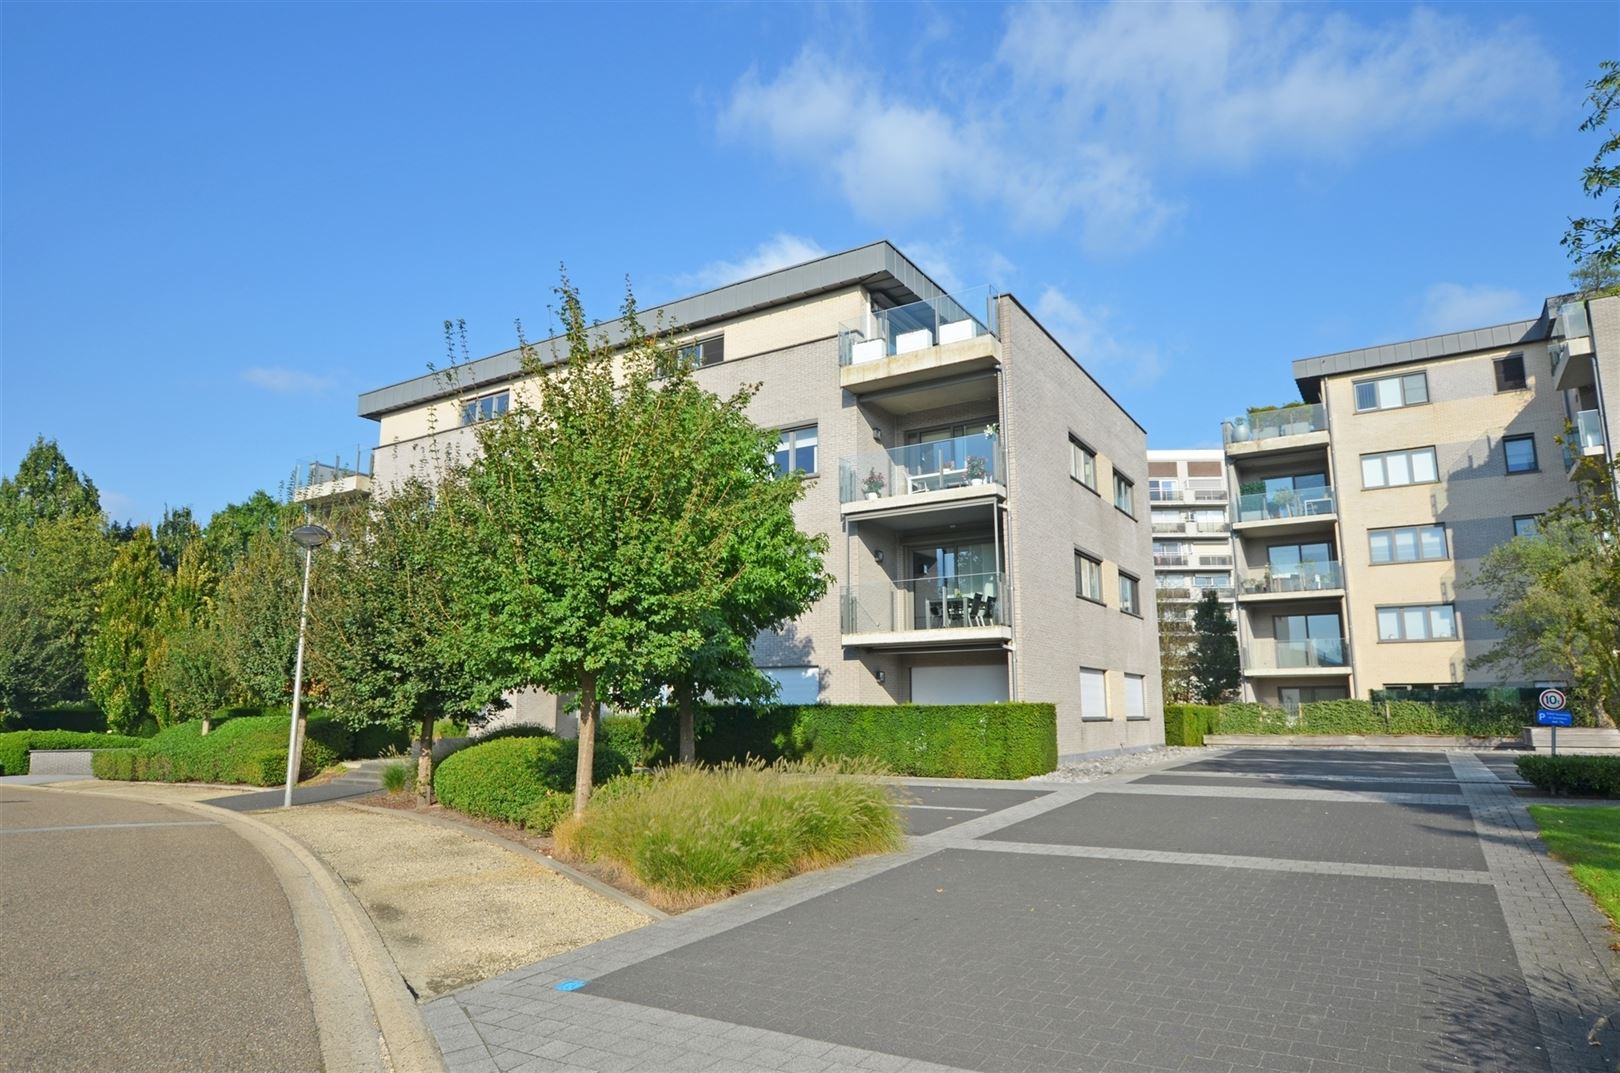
x: 397, y: 777
x: 250, y: 749
x: 1587, y: 776
x: 1253, y: 719
x: 1186, y: 724
x: 724, y: 732
x: 15, y: 745
x: 500, y: 778
x: 548, y: 810
x: 379, y: 739
x: 692, y: 834
x: 623, y: 735
x: 1392, y: 713
x: 81, y: 717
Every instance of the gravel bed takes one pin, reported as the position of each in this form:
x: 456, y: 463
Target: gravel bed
x: 1092, y: 770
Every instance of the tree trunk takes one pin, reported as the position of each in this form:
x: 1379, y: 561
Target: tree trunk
x: 424, y: 763
x: 205, y: 722
x: 587, y: 742
x: 683, y: 708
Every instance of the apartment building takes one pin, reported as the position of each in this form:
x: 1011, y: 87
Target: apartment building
x: 1192, y: 529
x: 1361, y: 512
x: 966, y: 469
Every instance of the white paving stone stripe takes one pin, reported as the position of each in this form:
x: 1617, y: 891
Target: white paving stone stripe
x: 1287, y: 793
x: 1281, y: 777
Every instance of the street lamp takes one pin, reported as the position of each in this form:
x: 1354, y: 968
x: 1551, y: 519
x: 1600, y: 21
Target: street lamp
x: 308, y: 537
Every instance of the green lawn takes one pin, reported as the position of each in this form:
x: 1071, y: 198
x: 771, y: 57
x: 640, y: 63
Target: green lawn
x: 1588, y: 840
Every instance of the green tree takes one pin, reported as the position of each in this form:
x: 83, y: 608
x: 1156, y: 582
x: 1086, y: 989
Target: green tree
x: 258, y: 617
x: 174, y: 534
x: 50, y: 573
x: 1176, y: 641
x: 232, y: 528
x: 601, y: 518
x: 1215, y: 650
x: 46, y: 486
x: 126, y: 624
x: 390, y: 644
x: 1593, y: 242
x: 184, y: 632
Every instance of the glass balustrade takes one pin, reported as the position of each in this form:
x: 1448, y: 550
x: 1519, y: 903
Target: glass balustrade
x: 1260, y: 425
x: 925, y: 603
x: 1265, y: 654
x: 887, y: 333
x: 1297, y: 577
x: 1285, y: 503
x: 960, y: 462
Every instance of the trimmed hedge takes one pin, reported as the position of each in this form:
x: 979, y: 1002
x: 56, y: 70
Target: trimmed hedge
x: 1186, y: 724
x: 502, y: 778
x: 969, y: 741
x: 15, y: 745
x: 83, y: 718
x: 243, y: 749
x: 1460, y: 718
x: 1586, y: 776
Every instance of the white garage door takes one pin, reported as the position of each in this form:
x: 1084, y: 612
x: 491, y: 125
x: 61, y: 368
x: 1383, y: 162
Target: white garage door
x: 958, y: 685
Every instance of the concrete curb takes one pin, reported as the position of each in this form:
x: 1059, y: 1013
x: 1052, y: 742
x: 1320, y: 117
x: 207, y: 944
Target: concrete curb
x: 607, y: 890
x: 365, y: 1016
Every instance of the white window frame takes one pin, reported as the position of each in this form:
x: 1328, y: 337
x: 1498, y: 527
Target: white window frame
x: 1124, y: 484
x: 499, y: 403
x: 1082, y: 463
x: 789, y: 437
x: 1394, y: 535
x: 1383, y: 459
x: 696, y: 354
x: 1098, y: 679
x: 1391, y: 392
x: 1402, y: 617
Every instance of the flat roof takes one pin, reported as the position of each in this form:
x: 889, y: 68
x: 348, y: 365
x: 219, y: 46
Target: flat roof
x: 878, y: 266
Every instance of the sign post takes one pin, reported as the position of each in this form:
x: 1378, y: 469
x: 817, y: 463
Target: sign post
x: 1552, y: 711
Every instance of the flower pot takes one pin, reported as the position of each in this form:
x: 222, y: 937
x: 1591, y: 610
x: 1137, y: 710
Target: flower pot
x: 978, y: 480
x: 871, y: 495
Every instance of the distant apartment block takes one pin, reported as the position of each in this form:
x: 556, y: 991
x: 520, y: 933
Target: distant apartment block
x: 986, y: 499
x: 1192, y: 529
x: 1360, y: 513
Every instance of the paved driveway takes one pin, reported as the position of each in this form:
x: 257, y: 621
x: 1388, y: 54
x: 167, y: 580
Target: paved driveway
x: 1313, y: 911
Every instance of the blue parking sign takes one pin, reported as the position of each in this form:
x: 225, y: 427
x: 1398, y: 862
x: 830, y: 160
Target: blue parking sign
x: 1554, y: 719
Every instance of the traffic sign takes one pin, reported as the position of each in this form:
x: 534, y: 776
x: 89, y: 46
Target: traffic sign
x: 1554, y: 719
x: 1553, y: 700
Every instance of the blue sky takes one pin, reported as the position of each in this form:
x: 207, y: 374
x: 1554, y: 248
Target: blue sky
x: 222, y: 222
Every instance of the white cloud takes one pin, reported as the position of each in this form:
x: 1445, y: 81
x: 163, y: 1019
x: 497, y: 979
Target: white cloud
x: 1090, y: 338
x: 778, y: 251
x: 1455, y: 307
x: 285, y: 381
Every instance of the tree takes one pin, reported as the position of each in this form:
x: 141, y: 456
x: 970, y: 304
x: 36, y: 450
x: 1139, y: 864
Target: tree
x: 390, y: 644
x: 174, y: 534
x: 1215, y: 650
x: 600, y: 520
x: 50, y: 573
x: 1176, y: 639
x: 125, y: 627
x: 258, y: 617
x: 180, y: 684
x: 231, y: 529
x: 1556, y: 597
x: 1593, y: 242
x: 46, y: 486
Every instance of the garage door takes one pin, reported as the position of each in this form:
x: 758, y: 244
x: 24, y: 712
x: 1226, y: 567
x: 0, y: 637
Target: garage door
x: 958, y: 685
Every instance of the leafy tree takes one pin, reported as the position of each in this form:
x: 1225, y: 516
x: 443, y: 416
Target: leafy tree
x: 125, y: 626
x: 46, y: 486
x: 390, y: 644
x: 601, y: 519
x: 1215, y: 650
x: 178, y: 687
x: 174, y: 533
x: 1593, y: 242
x: 1176, y: 639
x: 258, y: 617
x: 1556, y: 597
x: 50, y: 573
x: 232, y: 528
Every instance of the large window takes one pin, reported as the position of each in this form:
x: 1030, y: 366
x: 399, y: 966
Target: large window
x: 486, y: 408
x: 1407, y: 544
x: 1395, y: 468
x: 1082, y: 463
x: 1524, y: 525
x: 1309, y: 640
x: 1510, y: 373
x: 699, y: 352
x: 1130, y: 594
x: 1520, y: 452
x: 795, y: 685
x: 1417, y: 622
x: 796, y: 450
x: 1135, y: 697
x: 1124, y: 494
x: 1093, y: 694
x: 1088, y: 584
x: 1392, y: 392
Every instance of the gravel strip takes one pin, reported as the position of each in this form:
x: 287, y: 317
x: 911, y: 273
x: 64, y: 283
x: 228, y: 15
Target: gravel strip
x: 452, y: 909
x: 1092, y: 770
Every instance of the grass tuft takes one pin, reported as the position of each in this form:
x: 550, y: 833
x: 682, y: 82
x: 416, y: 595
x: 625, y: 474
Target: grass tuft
x: 398, y: 777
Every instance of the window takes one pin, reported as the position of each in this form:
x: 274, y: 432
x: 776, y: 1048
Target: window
x: 710, y: 351
x: 1161, y: 490
x: 1395, y: 468
x: 1408, y: 544
x: 1524, y: 525
x: 1088, y: 577
x: 1520, y: 452
x: 795, y: 685
x: 1124, y: 494
x: 490, y: 406
x: 796, y: 450
x: 1129, y: 599
x: 1418, y: 622
x: 1135, y: 697
x: 1093, y: 694
x: 1510, y: 372
x: 1082, y: 463
x: 1392, y: 392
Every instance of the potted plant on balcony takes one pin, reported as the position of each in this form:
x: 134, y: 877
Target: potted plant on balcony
x: 873, y: 484
x: 976, y: 469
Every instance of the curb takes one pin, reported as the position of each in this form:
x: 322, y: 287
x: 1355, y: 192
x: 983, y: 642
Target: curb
x: 607, y: 890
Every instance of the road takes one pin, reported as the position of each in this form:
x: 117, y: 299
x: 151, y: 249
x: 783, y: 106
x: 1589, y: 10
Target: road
x: 143, y: 938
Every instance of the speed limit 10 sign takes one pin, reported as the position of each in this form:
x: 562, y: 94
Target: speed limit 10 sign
x: 1553, y: 700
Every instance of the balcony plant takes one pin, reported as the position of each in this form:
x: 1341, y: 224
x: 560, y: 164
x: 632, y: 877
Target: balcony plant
x: 976, y: 468
x: 873, y: 484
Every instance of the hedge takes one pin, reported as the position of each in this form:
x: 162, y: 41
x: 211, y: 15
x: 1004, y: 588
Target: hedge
x: 1186, y: 724
x: 1461, y: 718
x: 724, y: 732
x: 242, y: 749
x: 502, y: 778
x: 14, y: 746
x: 83, y: 718
x: 1587, y: 776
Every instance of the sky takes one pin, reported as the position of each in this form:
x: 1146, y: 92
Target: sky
x: 219, y: 223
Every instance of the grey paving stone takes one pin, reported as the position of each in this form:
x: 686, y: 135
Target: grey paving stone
x: 1366, y: 785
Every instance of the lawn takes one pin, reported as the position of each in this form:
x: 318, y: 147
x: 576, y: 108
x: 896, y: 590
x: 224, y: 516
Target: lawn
x: 1588, y: 840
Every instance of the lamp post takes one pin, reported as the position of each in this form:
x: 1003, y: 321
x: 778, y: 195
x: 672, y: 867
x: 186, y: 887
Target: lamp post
x: 308, y: 537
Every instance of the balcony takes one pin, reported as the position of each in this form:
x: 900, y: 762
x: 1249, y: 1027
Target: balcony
x: 922, y: 341
x: 1324, y: 656
x: 1264, y: 430
x: 1302, y: 581
x: 1160, y: 559
x: 937, y: 472
x: 1284, y: 509
x: 967, y: 610
x: 319, y: 482
x: 1587, y: 440
x: 1193, y: 593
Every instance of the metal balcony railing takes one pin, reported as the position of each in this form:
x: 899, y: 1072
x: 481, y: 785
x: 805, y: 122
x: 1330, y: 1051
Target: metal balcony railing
x: 1286, y: 503
x: 951, y: 318
x: 962, y: 462
x: 925, y: 604
x: 1268, y: 424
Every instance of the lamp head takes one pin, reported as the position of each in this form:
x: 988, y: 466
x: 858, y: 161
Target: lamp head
x: 310, y: 537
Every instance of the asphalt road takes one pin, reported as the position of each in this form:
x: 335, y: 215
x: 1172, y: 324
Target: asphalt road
x: 142, y: 938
